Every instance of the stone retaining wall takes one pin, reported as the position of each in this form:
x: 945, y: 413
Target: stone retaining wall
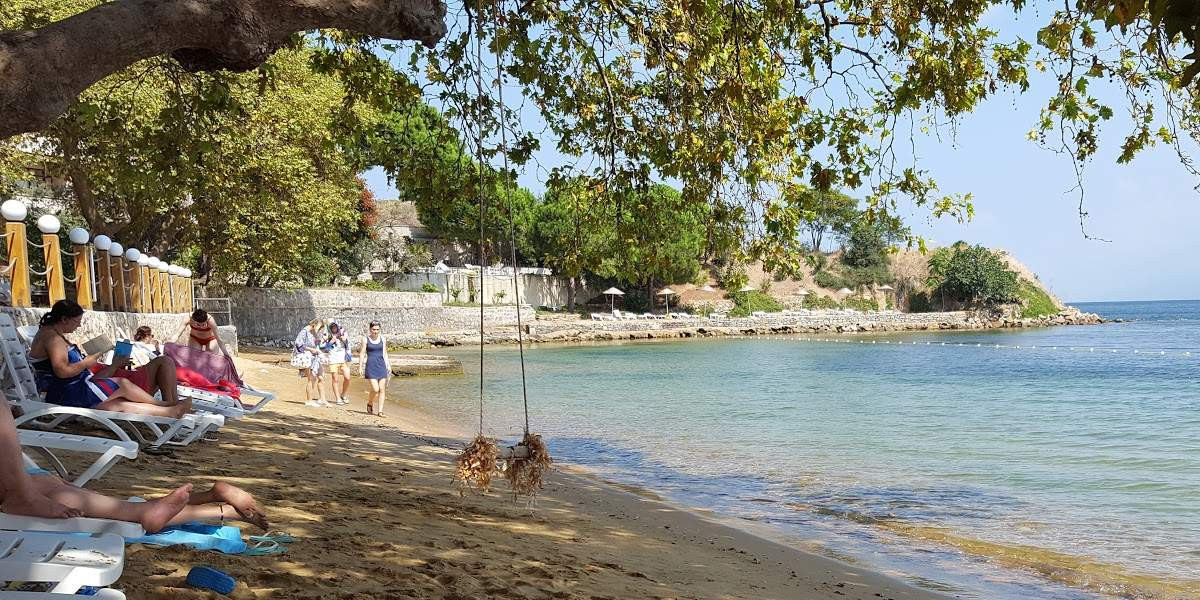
x: 274, y: 317
x: 97, y: 323
x: 828, y: 322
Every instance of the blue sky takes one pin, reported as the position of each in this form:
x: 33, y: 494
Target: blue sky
x: 1147, y: 209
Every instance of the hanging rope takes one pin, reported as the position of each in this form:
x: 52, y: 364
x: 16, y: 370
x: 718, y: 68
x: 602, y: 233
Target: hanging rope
x: 479, y: 196
x: 33, y: 243
x: 512, y: 222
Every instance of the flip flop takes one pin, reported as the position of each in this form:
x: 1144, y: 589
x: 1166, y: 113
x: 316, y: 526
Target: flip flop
x: 157, y: 451
x: 281, y: 537
x: 265, y: 549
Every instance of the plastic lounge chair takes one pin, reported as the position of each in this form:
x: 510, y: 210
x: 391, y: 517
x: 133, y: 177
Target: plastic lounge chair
x: 21, y: 389
x: 125, y: 529
x: 109, y: 451
x: 67, y: 561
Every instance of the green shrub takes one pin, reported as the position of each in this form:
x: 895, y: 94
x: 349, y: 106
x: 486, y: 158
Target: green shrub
x: 829, y: 280
x: 429, y: 287
x: 1035, y: 302
x: 703, y: 309
x: 455, y: 292
x: 975, y: 273
x: 370, y: 284
x: 745, y: 303
x: 858, y: 303
x: 856, y: 277
x: 733, y: 276
x: 817, y: 301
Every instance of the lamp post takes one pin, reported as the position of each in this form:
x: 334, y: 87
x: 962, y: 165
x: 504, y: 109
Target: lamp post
x: 83, y: 266
x: 49, y: 226
x: 143, y: 269
x: 103, y: 274
x: 117, y: 279
x: 135, y: 286
x: 14, y: 213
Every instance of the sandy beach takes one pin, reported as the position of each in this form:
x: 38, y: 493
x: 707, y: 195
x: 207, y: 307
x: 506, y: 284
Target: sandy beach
x: 378, y: 517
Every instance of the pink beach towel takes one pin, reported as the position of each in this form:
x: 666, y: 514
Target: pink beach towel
x: 214, y: 367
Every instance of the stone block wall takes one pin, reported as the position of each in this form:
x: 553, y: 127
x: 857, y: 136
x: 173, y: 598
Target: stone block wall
x: 276, y: 316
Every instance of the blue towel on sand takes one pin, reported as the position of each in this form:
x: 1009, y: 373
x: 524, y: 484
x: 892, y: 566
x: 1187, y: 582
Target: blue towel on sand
x: 222, y: 538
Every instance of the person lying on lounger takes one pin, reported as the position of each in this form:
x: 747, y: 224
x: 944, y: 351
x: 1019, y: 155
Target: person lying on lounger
x: 64, y: 372
x: 37, y: 493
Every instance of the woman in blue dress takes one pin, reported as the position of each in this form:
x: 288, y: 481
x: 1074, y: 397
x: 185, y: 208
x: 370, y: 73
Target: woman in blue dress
x: 373, y: 364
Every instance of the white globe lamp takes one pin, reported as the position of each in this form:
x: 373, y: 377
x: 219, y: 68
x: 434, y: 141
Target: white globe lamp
x: 133, y: 254
x: 102, y: 242
x: 48, y: 224
x: 79, y: 235
x: 115, y: 249
x: 13, y: 210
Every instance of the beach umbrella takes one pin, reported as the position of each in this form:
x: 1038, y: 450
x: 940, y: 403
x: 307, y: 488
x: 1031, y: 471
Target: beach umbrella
x: 886, y: 288
x: 666, y: 293
x: 746, y: 288
x: 707, y: 288
x: 844, y: 291
x: 612, y: 293
x: 801, y: 292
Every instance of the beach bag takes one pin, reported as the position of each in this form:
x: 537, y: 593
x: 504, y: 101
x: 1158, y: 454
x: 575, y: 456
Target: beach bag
x: 302, y: 360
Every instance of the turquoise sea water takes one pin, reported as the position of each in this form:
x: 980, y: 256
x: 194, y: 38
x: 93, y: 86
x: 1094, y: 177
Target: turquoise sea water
x: 1034, y: 472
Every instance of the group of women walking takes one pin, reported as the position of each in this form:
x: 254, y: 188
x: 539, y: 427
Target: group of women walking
x: 325, y: 348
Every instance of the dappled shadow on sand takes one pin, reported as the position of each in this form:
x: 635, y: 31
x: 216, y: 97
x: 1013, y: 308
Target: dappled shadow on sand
x: 377, y: 516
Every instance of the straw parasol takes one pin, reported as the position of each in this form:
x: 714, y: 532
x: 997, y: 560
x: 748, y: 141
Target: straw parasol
x: 746, y: 288
x: 708, y: 288
x: 666, y: 293
x: 612, y: 293
x: 844, y: 291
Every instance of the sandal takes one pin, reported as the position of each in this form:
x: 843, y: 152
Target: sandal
x: 370, y: 409
x: 266, y: 548
x: 281, y: 537
x: 157, y: 451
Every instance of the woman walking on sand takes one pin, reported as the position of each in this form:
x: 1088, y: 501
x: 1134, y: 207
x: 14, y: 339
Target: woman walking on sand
x: 308, y: 358
x: 337, y: 349
x: 373, y: 364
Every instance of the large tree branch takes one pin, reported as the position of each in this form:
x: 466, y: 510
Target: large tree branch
x: 42, y: 71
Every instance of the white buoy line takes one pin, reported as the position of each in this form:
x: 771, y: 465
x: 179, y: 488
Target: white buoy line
x: 1090, y: 349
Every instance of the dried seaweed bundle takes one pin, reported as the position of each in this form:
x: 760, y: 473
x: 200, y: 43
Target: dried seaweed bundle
x: 476, y: 464
x: 524, y: 475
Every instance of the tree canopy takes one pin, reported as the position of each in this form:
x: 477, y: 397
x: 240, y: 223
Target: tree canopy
x: 733, y: 102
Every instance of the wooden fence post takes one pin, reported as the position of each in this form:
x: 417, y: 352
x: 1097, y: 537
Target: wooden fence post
x: 117, y: 277
x: 52, y: 252
x: 83, y: 266
x: 18, y: 254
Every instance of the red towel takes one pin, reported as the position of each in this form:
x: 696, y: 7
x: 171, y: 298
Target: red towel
x: 195, y: 379
x: 214, y: 367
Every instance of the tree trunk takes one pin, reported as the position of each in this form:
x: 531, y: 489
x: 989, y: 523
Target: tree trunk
x: 571, y: 293
x: 42, y: 71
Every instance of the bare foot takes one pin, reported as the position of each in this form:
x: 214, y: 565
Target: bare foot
x: 242, y: 502
x: 39, y: 506
x: 159, y: 512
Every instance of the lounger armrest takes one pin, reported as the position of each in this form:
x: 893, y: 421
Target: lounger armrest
x: 53, y: 409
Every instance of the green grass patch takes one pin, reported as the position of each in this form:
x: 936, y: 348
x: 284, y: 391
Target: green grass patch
x: 1035, y: 302
x: 745, y: 303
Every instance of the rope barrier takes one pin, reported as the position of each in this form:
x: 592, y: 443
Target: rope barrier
x: 33, y: 243
x: 66, y: 252
x: 37, y: 272
x: 1088, y: 349
x: 74, y: 279
x: 7, y: 269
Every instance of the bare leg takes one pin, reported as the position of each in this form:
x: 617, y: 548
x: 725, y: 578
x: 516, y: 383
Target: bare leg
x: 311, y: 384
x: 212, y: 346
x: 380, y: 398
x: 153, y: 515
x: 18, y: 493
x: 371, y: 395
x: 120, y: 402
x: 345, y: 380
x: 160, y: 372
x: 241, y: 501
x: 335, y: 380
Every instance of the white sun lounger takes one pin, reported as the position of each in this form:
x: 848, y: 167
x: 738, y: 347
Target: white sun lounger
x: 20, y: 387
x: 67, y: 561
x: 108, y: 451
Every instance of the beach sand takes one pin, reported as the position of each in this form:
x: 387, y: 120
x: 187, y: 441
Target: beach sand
x: 377, y: 516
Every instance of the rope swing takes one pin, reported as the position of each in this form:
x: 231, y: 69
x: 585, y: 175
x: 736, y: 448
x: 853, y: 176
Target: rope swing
x: 524, y: 464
